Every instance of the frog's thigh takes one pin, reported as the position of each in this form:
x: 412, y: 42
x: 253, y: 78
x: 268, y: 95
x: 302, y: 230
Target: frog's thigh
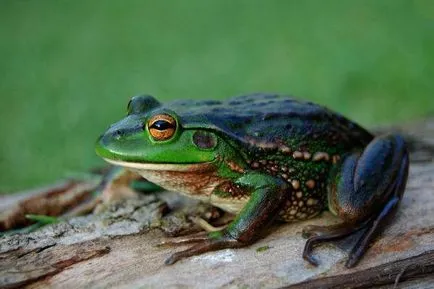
x: 369, y: 188
x: 367, y: 181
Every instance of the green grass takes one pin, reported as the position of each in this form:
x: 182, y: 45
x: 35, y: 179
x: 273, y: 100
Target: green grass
x: 68, y: 68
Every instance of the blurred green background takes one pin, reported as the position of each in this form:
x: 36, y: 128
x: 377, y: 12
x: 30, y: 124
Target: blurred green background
x: 68, y: 68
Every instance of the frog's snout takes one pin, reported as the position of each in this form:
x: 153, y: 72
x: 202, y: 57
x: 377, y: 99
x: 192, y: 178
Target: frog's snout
x: 110, y: 136
x: 116, y: 134
x: 102, y: 145
x: 121, y: 140
x: 107, y: 143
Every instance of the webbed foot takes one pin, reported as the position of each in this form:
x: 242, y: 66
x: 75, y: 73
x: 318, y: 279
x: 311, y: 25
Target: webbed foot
x: 318, y: 234
x: 193, y: 238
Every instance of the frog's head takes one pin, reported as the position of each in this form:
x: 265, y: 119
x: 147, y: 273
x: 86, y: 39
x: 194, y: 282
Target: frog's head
x: 154, y: 136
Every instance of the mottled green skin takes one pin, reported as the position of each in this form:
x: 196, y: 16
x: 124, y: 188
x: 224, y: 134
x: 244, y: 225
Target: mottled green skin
x: 272, y: 156
x: 259, y: 124
x: 273, y: 119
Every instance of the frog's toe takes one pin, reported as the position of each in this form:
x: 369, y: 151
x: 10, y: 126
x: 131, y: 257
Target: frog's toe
x: 316, y: 231
x: 204, y: 246
x: 307, y: 256
x: 204, y: 225
x: 309, y: 231
x: 193, y: 238
x: 362, y: 244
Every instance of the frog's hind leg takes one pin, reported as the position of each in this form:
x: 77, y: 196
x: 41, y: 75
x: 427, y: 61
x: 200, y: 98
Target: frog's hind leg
x: 364, y: 194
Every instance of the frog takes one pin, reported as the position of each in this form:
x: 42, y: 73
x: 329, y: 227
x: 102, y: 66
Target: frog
x: 264, y: 158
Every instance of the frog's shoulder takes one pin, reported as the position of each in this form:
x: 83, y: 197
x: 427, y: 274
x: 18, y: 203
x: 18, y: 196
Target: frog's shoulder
x: 270, y: 120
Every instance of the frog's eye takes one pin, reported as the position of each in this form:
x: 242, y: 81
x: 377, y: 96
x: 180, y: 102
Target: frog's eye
x: 162, y: 127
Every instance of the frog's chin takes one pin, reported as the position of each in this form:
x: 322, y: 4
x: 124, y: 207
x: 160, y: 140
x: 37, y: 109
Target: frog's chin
x: 161, y: 166
x: 195, y: 180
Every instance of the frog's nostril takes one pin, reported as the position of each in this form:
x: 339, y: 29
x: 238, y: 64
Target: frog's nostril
x: 117, y: 134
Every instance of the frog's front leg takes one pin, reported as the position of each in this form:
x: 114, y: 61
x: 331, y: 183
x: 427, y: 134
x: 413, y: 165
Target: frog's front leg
x: 364, y: 193
x: 268, y: 194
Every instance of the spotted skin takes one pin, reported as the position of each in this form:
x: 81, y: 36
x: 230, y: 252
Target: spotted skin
x: 281, y: 136
x: 308, y: 179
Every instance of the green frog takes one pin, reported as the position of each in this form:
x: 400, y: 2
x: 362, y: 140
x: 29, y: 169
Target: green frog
x: 263, y: 157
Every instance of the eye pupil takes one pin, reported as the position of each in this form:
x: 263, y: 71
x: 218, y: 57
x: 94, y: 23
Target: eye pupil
x: 162, y: 125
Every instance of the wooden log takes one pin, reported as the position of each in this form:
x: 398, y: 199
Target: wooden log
x: 118, y: 248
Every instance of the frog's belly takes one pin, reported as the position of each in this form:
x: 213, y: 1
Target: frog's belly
x: 196, y: 186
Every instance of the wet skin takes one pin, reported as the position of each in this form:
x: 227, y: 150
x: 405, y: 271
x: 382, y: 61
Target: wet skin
x: 263, y: 157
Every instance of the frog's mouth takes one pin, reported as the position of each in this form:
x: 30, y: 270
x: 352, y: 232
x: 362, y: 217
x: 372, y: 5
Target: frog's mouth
x: 196, y: 167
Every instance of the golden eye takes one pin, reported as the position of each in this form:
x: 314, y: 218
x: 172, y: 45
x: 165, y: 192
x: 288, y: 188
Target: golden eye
x: 162, y: 127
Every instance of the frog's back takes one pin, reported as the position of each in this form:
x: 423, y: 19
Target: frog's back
x: 270, y: 121
x: 297, y: 141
